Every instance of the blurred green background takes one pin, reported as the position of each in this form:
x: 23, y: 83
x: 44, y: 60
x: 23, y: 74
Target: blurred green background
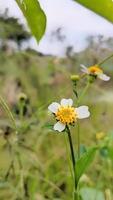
x: 34, y: 164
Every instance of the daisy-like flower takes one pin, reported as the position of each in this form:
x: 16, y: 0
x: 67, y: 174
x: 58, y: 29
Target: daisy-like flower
x: 95, y: 71
x: 66, y: 114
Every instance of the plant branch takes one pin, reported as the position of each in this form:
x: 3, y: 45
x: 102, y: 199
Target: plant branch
x: 73, y: 161
x: 107, y: 58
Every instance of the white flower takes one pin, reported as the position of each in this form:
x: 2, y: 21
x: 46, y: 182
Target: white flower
x: 96, y: 71
x: 66, y: 114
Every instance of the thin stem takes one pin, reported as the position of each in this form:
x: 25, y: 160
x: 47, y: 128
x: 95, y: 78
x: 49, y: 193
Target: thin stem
x: 22, y: 188
x: 83, y: 93
x: 11, y: 166
x: 78, y: 139
x: 21, y: 108
x: 9, y: 113
x: 73, y: 162
x: 71, y: 147
x: 100, y: 63
x: 69, y: 160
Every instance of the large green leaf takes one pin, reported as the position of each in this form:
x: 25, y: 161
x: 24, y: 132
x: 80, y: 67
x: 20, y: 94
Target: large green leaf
x: 34, y: 15
x: 101, y: 7
x: 84, y: 162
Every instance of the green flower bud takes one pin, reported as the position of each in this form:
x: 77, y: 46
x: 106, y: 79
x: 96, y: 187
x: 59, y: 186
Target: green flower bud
x: 75, y: 78
x: 22, y: 97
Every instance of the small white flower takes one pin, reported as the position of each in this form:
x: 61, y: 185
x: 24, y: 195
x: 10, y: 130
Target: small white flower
x: 84, y: 69
x: 66, y: 114
x: 96, y: 71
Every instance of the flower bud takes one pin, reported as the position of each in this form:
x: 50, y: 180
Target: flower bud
x: 75, y: 78
x: 22, y: 97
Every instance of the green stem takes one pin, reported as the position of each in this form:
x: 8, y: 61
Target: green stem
x: 11, y: 167
x: 69, y: 160
x: 100, y: 63
x: 73, y: 162
x: 21, y: 110
x: 84, y: 92
x: 78, y: 139
x: 9, y: 113
x: 78, y: 102
x: 21, y: 175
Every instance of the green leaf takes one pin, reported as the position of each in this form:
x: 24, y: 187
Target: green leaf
x: 91, y: 194
x: 34, y: 15
x: 110, y: 152
x: 83, y: 163
x: 101, y: 7
x: 82, y: 149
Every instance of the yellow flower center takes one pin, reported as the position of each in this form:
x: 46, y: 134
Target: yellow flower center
x: 95, y: 70
x: 66, y: 114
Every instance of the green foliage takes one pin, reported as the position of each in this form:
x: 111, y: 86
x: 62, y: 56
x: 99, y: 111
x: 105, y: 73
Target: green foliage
x: 43, y: 172
x: 101, y: 7
x: 35, y: 16
x: 83, y: 163
x: 43, y: 153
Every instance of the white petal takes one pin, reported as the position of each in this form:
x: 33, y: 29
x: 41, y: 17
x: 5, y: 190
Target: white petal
x: 66, y: 102
x: 59, y: 126
x: 54, y: 107
x: 82, y: 112
x: 104, y: 77
x: 84, y: 69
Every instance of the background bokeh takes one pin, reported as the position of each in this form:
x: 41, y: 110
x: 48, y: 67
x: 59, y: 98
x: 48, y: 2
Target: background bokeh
x: 34, y: 165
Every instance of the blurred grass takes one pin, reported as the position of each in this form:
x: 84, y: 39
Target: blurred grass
x: 43, y: 172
